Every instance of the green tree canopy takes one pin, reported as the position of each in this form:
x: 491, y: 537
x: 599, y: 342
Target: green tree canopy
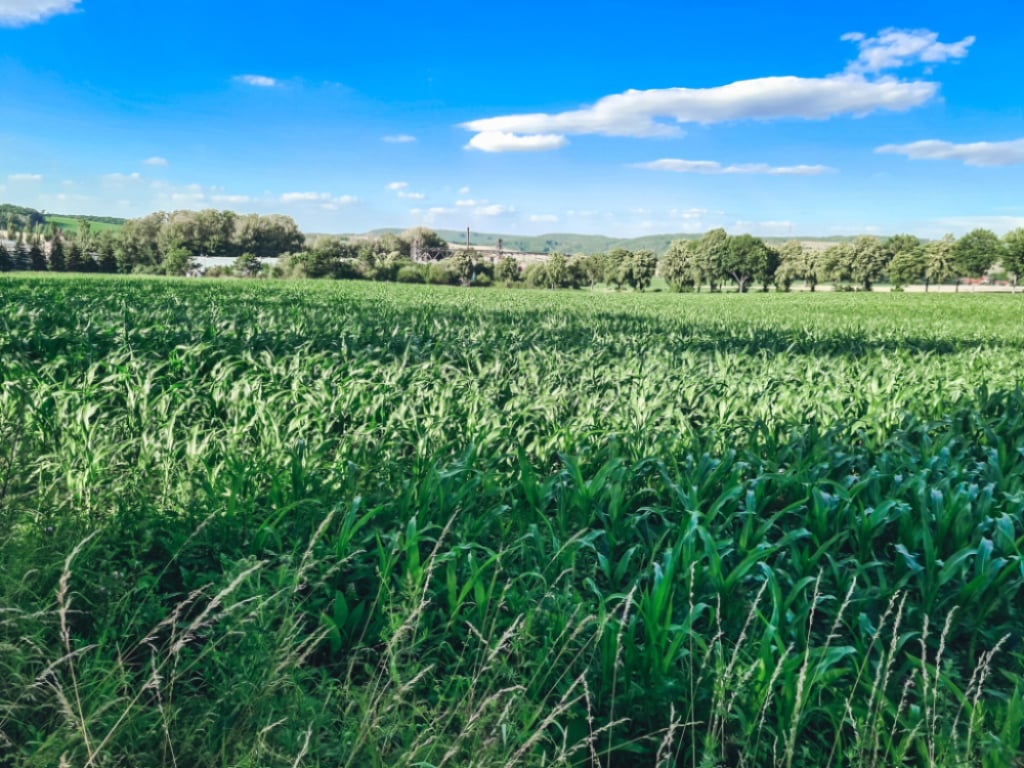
x: 678, y: 265
x: 976, y: 252
x: 1013, y: 253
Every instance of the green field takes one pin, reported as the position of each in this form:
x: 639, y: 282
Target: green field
x: 69, y: 224
x: 247, y: 523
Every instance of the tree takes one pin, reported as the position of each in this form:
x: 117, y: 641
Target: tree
x: 835, y: 265
x: 106, y: 252
x: 139, y: 243
x: 37, y: 259
x: 678, y: 266
x: 640, y: 269
x: 21, y: 258
x: 976, y: 252
x: 508, y: 271
x: 792, y: 265
x: 247, y: 265
x: 6, y: 263
x: 615, y: 266
x: 75, y: 262
x: 868, y: 261
x: 462, y: 265
x: 765, y: 274
x: 940, y: 261
x: 178, y: 261
x: 425, y: 244
x: 83, y: 229
x: 908, y: 266
x: 1013, y: 254
x: 57, y: 263
x: 710, y: 253
x: 745, y: 258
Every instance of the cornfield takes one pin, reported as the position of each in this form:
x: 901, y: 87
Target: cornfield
x: 355, y: 524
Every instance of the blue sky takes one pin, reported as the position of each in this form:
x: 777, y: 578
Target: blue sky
x: 601, y: 117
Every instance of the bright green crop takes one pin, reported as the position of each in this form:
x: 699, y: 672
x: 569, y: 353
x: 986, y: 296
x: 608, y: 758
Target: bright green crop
x: 253, y: 523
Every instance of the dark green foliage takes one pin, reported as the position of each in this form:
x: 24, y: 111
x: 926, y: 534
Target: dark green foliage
x: 977, y: 251
x: 57, y: 262
x: 36, y: 257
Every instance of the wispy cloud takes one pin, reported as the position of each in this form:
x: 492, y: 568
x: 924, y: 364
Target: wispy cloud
x: 230, y: 199
x: 711, y: 167
x: 259, y: 81
x: 894, y: 48
x: 120, y: 177
x: 660, y: 112
x: 326, y: 200
x: 983, y: 154
x: 18, y: 13
x: 23, y: 177
x: 543, y: 218
x: 493, y: 210
x: 961, y: 224
x: 401, y: 138
x: 469, y: 203
x: 160, y: 161
x: 402, y: 190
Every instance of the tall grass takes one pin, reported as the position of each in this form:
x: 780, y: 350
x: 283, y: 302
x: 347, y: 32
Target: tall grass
x: 365, y: 525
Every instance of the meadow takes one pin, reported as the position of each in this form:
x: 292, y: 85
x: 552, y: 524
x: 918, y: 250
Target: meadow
x: 254, y: 523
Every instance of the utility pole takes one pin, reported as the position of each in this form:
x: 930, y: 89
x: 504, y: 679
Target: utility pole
x: 467, y: 238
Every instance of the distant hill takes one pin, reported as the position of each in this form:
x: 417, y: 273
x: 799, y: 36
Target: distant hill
x: 30, y: 217
x: 69, y: 224
x: 587, y: 244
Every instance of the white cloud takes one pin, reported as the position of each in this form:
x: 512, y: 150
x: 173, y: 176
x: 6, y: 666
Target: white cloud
x: 401, y: 138
x: 161, y: 161
x: 260, y: 81
x: 493, y: 210
x: 22, y: 177
x: 120, y: 177
x: 543, y: 218
x: 401, y: 187
x: 640, y: 113
x: 18, y: 13
x: 712, y: 167
x: 504, y: 141
x: 468, y: 203
x: 689, y: 214
x: 463, y: 190
x: 661, y: 111
x: 325, y: 199
x: 299, y: 197
x: 894, y: 48
x: 984, y: 154
x: 230, y: 199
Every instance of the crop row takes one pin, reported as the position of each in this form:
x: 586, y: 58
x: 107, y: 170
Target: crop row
x: 260, y: 524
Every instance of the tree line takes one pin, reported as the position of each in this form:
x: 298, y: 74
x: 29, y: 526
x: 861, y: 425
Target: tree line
x: 160, y: 243
x: 170, y: 243
x: 718, y: 258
